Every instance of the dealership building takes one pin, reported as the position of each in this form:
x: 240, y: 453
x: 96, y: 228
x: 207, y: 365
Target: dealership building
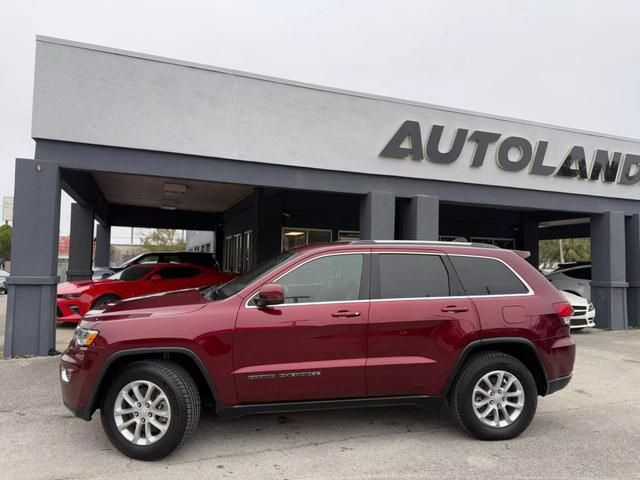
x: 264, y: 164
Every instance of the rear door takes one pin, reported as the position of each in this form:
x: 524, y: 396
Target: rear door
x: 418, y: 320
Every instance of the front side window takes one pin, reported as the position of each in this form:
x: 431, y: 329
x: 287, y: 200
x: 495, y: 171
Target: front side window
x: 334, y: 278
x: 487, y: 276
x: 149, y: 259
x: 178, y: 272
x: 413, y: 276
x: 131, y: 273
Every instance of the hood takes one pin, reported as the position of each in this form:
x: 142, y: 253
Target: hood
x: 159, y: 304
x: 575, y: 299
x: 79, y: 285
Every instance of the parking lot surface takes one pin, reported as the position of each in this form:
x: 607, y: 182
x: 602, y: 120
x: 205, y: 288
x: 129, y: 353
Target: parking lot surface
x: 589, y: 430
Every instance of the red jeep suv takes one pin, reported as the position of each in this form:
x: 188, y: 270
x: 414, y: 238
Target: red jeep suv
x: 366, y: 323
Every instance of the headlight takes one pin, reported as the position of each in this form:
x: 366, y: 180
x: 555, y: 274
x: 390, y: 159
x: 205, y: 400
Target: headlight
x: 70, y: 295
x: 591, y: 308
x: 84, y: 337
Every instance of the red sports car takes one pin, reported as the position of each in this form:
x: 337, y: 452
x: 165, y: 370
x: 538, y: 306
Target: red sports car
x: 75, y: 299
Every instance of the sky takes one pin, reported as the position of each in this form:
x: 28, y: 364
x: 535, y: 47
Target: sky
x: 569, y: 63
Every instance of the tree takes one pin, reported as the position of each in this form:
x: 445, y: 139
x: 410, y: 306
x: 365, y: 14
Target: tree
x: 5, y: 244
x: 573, y: 249
x: 160, y: 239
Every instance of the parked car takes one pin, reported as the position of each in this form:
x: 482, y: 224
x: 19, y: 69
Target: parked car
x: 76, y: 298
x: 328, y: 326
x: 584, y: 313
x: 195, y: 258
x: 3, y: 281
x: 573, y: 279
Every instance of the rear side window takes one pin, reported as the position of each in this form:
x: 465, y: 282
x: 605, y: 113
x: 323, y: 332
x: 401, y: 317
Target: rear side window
x: 486, y: 276
x: 413, y: 276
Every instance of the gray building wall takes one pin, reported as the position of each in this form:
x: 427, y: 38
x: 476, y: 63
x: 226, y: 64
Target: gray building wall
x: 200, y: 241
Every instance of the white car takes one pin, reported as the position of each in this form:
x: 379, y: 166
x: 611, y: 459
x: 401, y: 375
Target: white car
x: 576, y: 280
x: 3, y: 280
x: 584, y: 313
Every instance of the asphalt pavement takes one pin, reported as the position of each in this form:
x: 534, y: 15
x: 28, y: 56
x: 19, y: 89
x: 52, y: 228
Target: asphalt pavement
x: 589, y: 430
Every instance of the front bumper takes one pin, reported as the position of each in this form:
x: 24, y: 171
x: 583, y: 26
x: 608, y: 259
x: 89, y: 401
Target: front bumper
x: 583, y: 319
x: 79, y: 367
x: 69, y: 310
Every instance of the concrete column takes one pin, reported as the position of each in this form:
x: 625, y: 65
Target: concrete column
x: 102, y: 255
x: 80, y: 243
x: 633, y: 268
x: 30, y: 324
x: 377, y: 216
x: 421, y: 218
x: 530, y: 239
x: 608, y: 259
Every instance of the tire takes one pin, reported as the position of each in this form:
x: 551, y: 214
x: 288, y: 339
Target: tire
x: 509, y: 423
x: 103, y: 301
x: 182, y: 404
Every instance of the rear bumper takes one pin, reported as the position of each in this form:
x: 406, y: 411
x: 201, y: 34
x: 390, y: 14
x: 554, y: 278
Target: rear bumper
x: 558, y: 384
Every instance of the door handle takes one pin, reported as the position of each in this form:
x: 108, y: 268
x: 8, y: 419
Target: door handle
x: 454, y: 309
x: 345, y: 313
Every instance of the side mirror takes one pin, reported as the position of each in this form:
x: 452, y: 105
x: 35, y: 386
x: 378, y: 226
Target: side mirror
x: 105, y: 275
x: 270, y: 294
x: 155, y: 276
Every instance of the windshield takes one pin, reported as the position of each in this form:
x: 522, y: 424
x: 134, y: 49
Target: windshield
x: 234, y: 286
x: 132, y: 273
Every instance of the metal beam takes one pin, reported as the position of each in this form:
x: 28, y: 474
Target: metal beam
x: 130, y: 216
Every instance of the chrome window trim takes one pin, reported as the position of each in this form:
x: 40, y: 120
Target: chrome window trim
x: 255, y: 292
x: 530, y: 291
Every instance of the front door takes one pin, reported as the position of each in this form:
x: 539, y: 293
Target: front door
x: 312, y: 347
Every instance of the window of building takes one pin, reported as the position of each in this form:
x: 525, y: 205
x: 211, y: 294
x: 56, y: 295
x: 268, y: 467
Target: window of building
x: 413, y: 276
x: 247, y: 253
x: 334, y: 278
x: 296, y: 237
x: 486, y: 276
x: 348, y: 235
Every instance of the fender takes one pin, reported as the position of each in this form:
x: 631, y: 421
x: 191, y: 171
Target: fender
x: 88, y: 410
x: 475, y: 345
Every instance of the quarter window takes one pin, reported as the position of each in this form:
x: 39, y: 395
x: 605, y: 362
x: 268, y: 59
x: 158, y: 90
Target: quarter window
x: 486, y: 276
x: 413, y: 276
x: 334, y: 278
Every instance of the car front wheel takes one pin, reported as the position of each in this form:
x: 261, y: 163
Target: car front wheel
x: 150, y: 408
x: 495, y: 396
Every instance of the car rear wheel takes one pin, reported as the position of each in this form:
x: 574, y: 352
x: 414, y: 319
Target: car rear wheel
x: 150, y: 408
x: 495, y: 396
x: 104, y: 301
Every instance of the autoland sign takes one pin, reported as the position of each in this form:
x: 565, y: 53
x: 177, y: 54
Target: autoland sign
x: 514, y: 154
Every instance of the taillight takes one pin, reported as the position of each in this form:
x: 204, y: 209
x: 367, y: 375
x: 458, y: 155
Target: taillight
x: 564, y: 311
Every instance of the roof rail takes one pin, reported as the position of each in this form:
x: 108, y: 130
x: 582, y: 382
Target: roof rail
x: 423, y: 242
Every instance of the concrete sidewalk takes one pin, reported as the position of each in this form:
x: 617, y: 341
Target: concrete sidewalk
x: 589, y: 430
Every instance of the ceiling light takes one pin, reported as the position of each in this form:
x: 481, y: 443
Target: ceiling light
x: 174, y: 189
x: 169, y: 204
x: 293, y: 234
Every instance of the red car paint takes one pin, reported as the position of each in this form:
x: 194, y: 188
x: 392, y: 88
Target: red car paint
x: 76, y: 298
x: 353, y: 349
